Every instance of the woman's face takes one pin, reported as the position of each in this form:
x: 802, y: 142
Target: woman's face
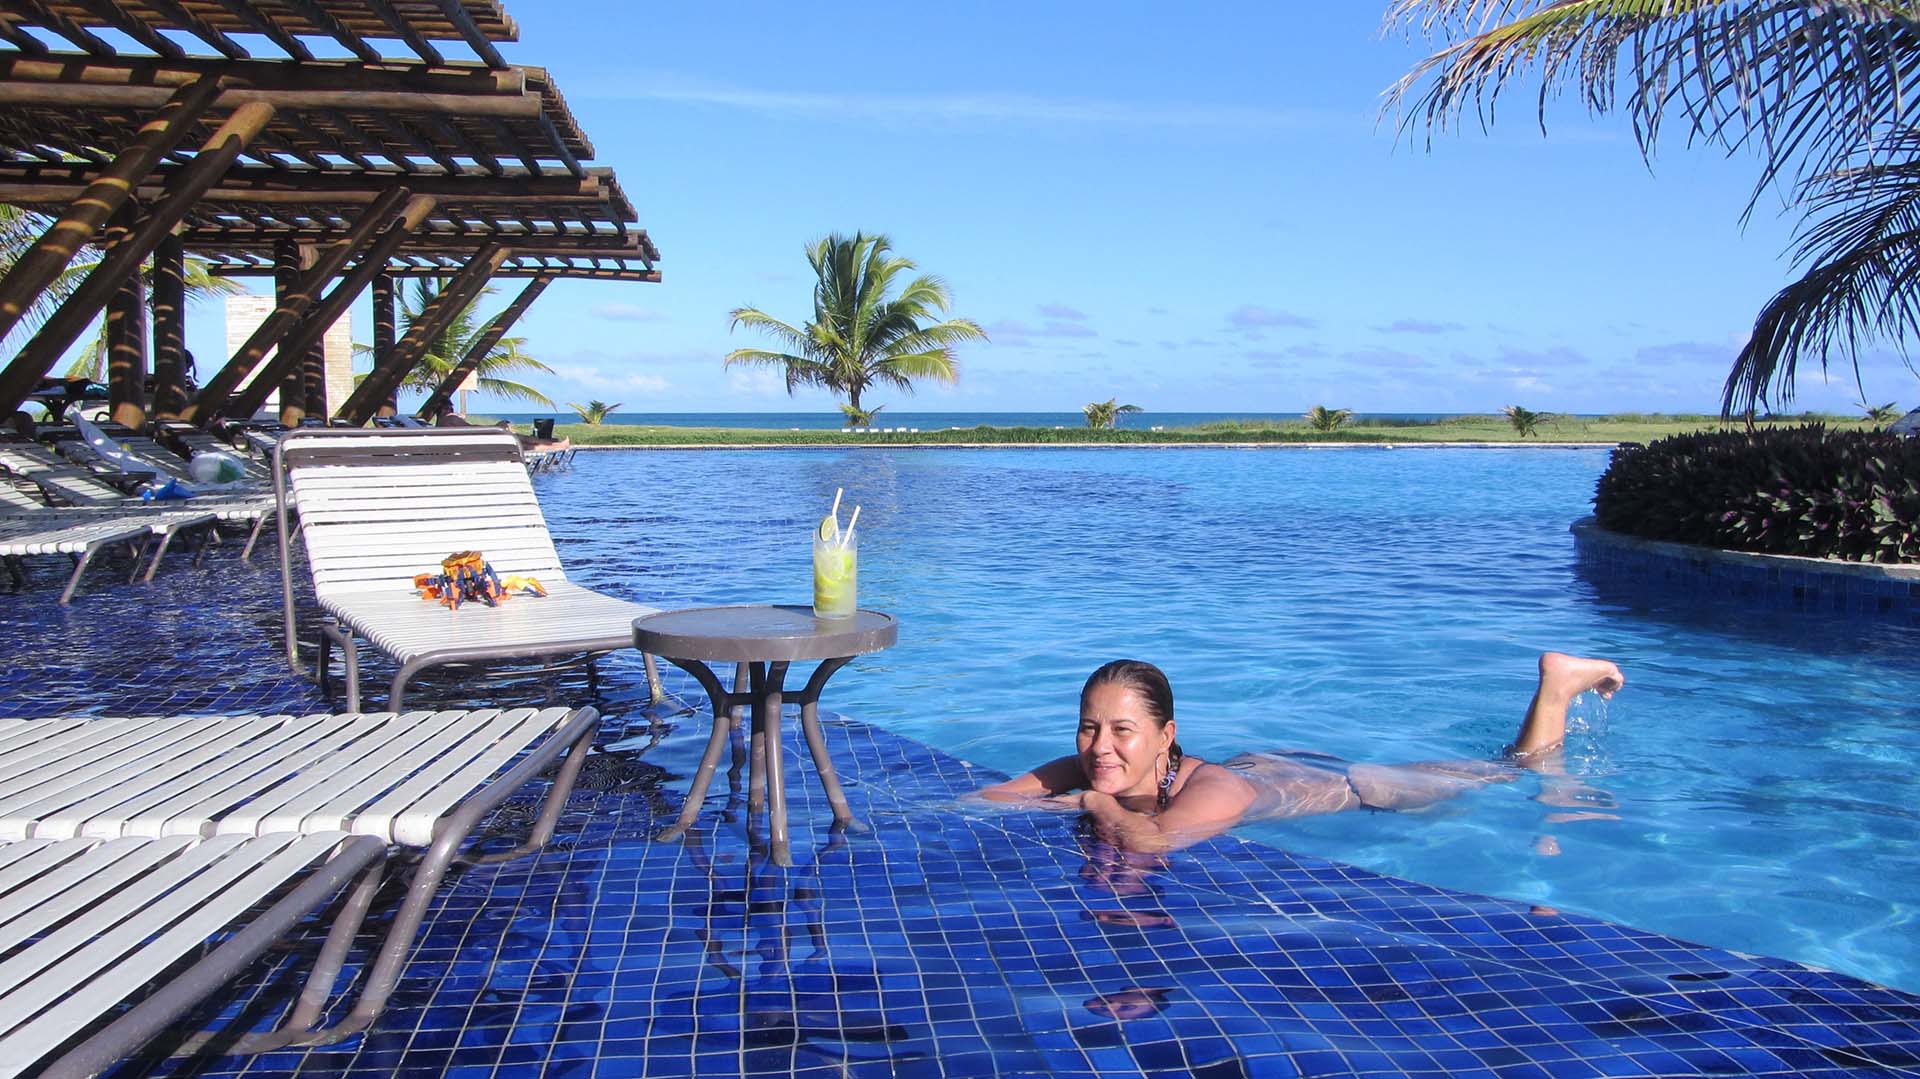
x: 1121, y: 746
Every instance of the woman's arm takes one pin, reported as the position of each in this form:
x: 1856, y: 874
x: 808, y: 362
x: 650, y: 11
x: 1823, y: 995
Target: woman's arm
x: 1211, y: 801
x: 1052, y: 778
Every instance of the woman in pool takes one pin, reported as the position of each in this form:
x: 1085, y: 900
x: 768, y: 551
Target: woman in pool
x: 1131, y: 778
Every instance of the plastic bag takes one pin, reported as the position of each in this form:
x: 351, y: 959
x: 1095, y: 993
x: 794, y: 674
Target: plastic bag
x: 216, y: 467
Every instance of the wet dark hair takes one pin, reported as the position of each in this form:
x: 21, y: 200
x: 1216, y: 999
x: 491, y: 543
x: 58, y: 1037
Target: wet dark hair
x: 1150, y: 684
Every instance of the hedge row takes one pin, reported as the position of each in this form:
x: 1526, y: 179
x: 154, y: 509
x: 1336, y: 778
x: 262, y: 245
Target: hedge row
x: 1850, y: 495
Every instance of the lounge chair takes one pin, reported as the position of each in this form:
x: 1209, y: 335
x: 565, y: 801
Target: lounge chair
x: 86, y: 923
x: 378, y: 507
x: 162, y: 521
x: 422, y: 780
x: 80, y: 488
x: 79, y: 540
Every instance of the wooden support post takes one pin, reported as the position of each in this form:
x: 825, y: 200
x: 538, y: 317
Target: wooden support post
x: 84, y: 217
x: 170, y: 373
x: 385, y: 328
x: 182, y: 190
x: 126, y: 337
x: 460, y: 291
x: 286, y: 278
x: 212, y: 399
x: 483, y: 344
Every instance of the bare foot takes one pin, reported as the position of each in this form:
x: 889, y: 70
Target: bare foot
x: 1568, y: 676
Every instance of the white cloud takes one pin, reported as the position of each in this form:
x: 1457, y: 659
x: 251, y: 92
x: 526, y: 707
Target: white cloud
x: 756, y: 382
x: 1254, y: 317
x: 919, y: 109
x: 627, y: 312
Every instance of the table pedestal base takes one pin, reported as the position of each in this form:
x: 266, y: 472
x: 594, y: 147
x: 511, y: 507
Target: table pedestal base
x: 764, y: 698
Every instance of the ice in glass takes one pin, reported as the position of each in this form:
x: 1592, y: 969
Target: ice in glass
x: 835, y: 571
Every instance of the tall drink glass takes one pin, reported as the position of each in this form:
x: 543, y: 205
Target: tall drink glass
x: 836, y: 569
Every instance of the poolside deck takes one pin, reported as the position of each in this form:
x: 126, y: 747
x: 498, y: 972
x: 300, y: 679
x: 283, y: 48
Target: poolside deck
x: 947, y: 940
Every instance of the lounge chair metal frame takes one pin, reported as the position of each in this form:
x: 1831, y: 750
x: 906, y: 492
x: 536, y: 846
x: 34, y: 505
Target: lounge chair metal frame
x: 423, y: 780
x: 379, y: 506
x: 87, y: 921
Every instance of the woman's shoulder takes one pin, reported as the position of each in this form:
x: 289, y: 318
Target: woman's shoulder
x: 1206, y: 775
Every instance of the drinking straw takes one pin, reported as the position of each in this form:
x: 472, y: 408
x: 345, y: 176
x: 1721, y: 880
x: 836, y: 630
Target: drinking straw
x: 835, y: 512
x: 847, y: 536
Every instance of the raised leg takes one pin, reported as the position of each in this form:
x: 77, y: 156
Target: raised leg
x: 1562, y: 678
x: 716, y: 744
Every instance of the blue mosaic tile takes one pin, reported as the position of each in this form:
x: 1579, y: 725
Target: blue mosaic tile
x: 950, y: 939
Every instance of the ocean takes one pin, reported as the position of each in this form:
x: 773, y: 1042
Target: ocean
x: 935, y: 421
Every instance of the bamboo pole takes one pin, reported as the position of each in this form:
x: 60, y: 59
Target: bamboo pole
x: 316, y: 321
x: 287, y: 313
x: 169, y: 329
x: 183, y: 189
x: 387, y: 377
x: 482, y: 345
x: 90, y: 210
x: 126, y: 336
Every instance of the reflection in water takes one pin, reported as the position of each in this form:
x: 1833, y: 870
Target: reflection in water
x: 1112, y: 870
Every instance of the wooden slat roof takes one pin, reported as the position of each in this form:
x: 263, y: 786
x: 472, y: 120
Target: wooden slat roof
x: 370, y: 30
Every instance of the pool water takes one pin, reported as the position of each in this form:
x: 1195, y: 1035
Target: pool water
x: 1751, y: 788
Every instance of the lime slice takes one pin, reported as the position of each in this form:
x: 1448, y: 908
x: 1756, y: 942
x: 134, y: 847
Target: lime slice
x: 829, y: 528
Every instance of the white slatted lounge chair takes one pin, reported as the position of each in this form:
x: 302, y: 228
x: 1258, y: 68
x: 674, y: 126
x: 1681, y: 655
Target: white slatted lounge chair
x: 422, y: 780
x: 379, y: 506
x: 20, y: 540
x: 20, y: 512
x: 79, y: 488
x: 198, y: 442
x: 86, y: 923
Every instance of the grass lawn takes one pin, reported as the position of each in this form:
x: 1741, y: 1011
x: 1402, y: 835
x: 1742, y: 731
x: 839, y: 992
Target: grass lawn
x: 1605, y: 430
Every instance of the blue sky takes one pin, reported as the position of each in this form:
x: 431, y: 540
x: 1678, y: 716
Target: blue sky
x: 1192, y: 210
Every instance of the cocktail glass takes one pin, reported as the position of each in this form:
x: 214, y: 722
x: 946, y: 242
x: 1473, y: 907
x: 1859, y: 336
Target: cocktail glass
x: 836, y: 569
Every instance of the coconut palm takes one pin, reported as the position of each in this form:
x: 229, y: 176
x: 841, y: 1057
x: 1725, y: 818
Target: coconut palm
x: 1881, y: 414
x: 595, y: 411
x: 452, y: 344
x: 1327, y: 420
x: 21, y: 229
x: 1819, y: 88
x: 860, y: 336
x: 1525, y: 420
x: 1102, y: 415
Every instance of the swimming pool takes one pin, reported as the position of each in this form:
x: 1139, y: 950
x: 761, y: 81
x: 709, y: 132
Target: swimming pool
x: 1382, y: 605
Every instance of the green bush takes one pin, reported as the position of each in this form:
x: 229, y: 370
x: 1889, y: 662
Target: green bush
x: 1850, y: 495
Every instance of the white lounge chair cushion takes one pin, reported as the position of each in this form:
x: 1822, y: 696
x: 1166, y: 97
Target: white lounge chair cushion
x: 387, y: 775
x: 84, y: 923
x: 569, y: 618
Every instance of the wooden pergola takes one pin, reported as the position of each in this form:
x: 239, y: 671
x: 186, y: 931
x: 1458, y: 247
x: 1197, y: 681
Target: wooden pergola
x: 155, y: 129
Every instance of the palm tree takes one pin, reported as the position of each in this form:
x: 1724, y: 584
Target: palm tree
x: 1327, y: 420
x: 859, y: 335
x: 1102, y: 415
x: 453, y: 343
x: 1819, y: 88
x: 21, y: 229
x: 1525, y: 420
x: 1880, y: 414
x: 595, y: 411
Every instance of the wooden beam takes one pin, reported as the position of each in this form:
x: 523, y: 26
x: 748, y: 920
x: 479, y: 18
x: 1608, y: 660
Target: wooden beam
x: 482, y: 345
x: 38, y: 13
x: 18, y: 38
x: 201, y: 29
x: 113, y: 15
x: 39, y: 355
x: 404, y: 30
x: 76, y: 227
x: 456, y: 14
x: 386, y: 378
x: 247, y: 12
x: 121, y: 82
x: 288, y: 312
x: 286, y: 278
x: 169, y: 329
x: 337, y: 30
x: 126, y: 334
x: 315, y: 322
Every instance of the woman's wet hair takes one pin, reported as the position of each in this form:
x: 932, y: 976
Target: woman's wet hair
x: 1149, y: 683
